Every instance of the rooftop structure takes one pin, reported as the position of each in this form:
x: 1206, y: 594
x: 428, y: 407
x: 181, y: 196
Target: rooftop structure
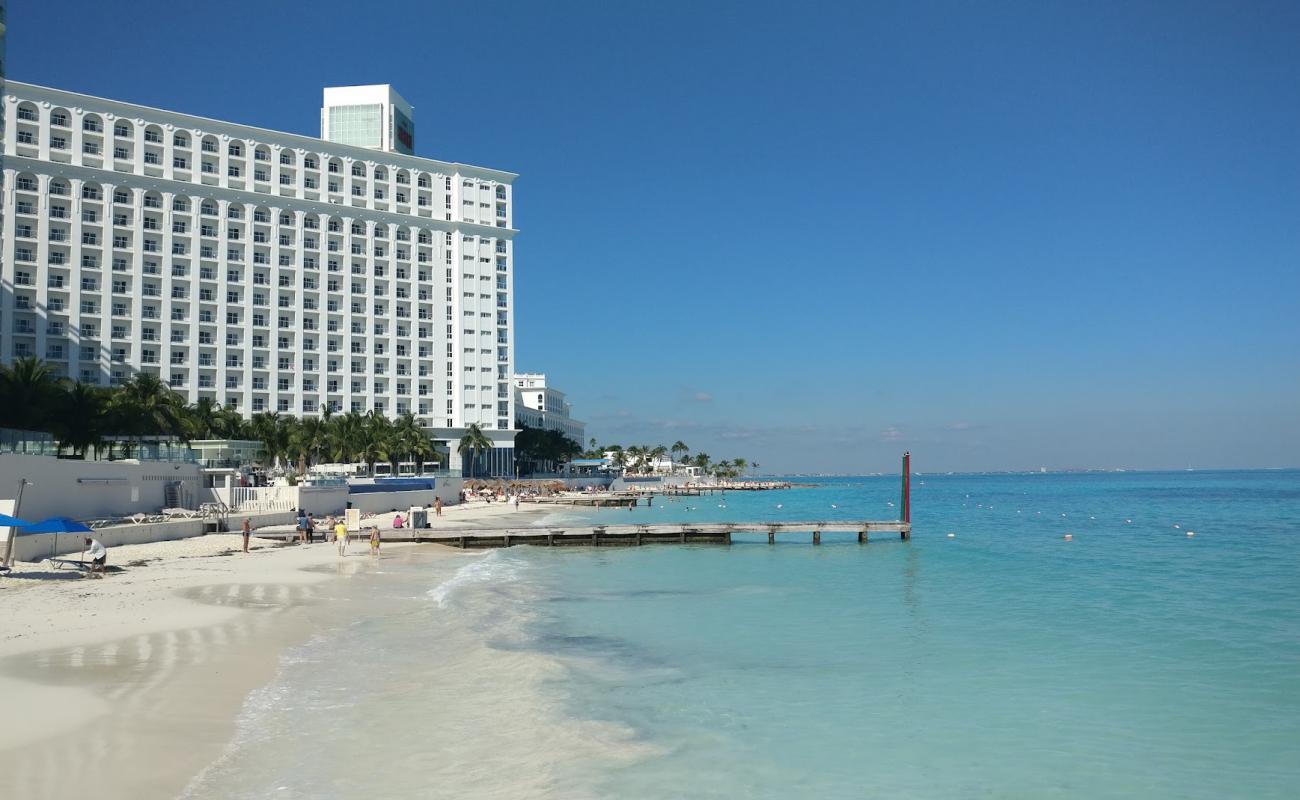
x: 375, y: 117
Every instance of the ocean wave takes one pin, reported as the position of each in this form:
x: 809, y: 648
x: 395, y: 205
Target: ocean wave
x: 491, y: 568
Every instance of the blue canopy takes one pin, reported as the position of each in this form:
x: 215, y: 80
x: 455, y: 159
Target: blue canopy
x: 56, y: 525
x: 7, y: 521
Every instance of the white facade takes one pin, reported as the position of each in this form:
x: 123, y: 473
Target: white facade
x: 264, y: 270
x: 540, y: 406
x: 374, y: 117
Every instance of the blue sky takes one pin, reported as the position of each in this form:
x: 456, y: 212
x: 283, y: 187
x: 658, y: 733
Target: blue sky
x: 1003, y: 235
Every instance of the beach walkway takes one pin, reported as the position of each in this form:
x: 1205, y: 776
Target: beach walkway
x: 637, y: 535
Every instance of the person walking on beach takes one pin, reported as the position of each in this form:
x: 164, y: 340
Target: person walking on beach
x: 341, y: 536
x: 437, y: 506
x: 247, y: 529
x: 374, y: 540
x: 311, y: 529
x: 302, y: 525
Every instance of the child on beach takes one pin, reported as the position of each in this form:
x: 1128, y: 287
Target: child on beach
x: 248, y: 530
x: 374, y: 540
x: 437, y: 506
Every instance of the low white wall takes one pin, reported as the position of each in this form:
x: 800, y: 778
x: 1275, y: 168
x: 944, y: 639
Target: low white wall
x: 376, y: 502
x: 40, y: 546
x: 70, y: 488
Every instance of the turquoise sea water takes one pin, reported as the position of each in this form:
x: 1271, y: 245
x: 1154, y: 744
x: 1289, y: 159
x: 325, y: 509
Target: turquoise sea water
x: 1004, y: 662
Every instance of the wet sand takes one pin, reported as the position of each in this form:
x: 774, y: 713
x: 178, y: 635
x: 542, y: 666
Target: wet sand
x: 128, y: 686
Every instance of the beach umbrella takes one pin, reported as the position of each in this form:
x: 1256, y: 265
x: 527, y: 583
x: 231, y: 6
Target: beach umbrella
x: 7, y: 521
x: 57, y: 525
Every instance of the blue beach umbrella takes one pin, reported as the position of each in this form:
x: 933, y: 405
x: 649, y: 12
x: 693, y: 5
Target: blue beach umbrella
x: 7, y: 521
x: 57, y: 525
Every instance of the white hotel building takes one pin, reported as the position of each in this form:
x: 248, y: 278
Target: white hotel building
x: 539, y: 405
x: 265, y: 270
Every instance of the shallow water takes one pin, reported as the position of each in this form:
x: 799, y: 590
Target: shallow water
x: 1002, y: 662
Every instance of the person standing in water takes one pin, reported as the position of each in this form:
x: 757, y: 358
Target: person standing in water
x: 247, y: 529
x: 341, y: 536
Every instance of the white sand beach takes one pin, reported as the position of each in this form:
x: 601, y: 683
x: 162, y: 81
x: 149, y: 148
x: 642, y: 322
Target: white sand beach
x: 129, y: 685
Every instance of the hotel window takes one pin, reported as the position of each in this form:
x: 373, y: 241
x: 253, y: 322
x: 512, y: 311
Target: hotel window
x: 92, y: 124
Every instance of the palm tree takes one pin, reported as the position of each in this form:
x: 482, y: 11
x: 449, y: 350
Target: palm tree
x: 376, y: 446
x: 145, y: 406
x: 657, y: 454
x: 412, y: 441
x: 702, y: 461
x: 274, y: 432
x: 201, y: 419
x: 228, y: 424
x: 473, y: 444
x: 620, y: 457
x: 81, y: 418
x: 347, y: 436
x: 636, y: 455
x: 310, y: 437
x: 740, y: 465
x: 679, y: 449
x: 28, y: 390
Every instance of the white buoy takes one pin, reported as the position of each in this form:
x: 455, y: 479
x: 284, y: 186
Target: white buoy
x: 1063, y: 513
x: 834, y: 506
x: 1191, y: 533
x: 780, y: 505
x: 952, y: 536
x: 1128, y: 522
x: 1069, y: 537
x: 1176, y: 526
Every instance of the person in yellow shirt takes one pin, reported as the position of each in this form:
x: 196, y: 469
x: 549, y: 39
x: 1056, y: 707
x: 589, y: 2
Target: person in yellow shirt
x: 374, y: 540
x: 341, y: 536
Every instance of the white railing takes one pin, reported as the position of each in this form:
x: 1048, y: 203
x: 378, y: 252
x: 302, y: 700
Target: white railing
x: 262, y: 498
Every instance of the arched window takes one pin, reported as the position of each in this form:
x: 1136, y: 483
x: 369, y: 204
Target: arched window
x: 358, y: 169
x: 180, y: 204
x: 381, y: 174
x: 60, y: 118
x: 26, y: 182
x: 92, y: 123
x: 286, y: 217
x: 208, y: 208
x: 122, y: 128
x: 153, y: 134
x: 58, y: 186
x: 180, y: 139
x: 423, y: 181
x: 28, y: 113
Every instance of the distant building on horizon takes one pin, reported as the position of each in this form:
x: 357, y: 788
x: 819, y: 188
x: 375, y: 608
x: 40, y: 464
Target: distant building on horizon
x: 266, y: 271
x: 538, y: 405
